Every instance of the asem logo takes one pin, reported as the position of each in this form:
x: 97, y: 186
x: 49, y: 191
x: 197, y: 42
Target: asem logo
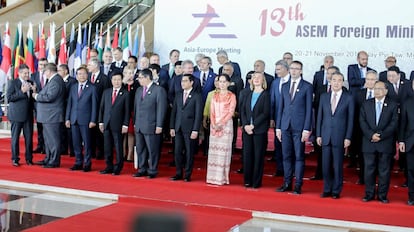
x: 207, y: 17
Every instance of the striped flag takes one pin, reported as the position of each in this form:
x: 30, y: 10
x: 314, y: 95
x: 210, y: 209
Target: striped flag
x: 63, y: 54
x: 100, y: 45
x: 71, y: 50
x: 84, y: 44
x: 42, y: 43
x: 127, y: 39
x: 115, y: 41
x: 78, y: 52
x: 142, y: 43
x: 120, y: 41
x: 136, y: 43
x: 108, y: 39
x: 30, y: 56
x: 19, y: 50
x: 5, y: 67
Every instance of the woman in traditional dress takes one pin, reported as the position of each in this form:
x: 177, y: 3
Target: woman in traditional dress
x: 223, y: 105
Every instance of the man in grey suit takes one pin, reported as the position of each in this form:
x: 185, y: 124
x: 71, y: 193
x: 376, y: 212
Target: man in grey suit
x: 149, y: 109
x: 50, y: 113
x: 20, y: 114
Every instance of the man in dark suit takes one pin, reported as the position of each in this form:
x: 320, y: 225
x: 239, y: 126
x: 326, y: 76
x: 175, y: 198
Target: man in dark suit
x: 20, y: 114
x: 113, y: 121
x: 406, y: 145
x: 175, y: 84
x: 282, y: 73
x: 162, y: 73
x: 185, y: 123
x: 67, y: 144
x: 157, y: 78
x: 174, y: 57
x: 206, y: 76
x: 355, y: 150
x: 40, y: 81
x: 294, y: 122
x: 320, y: 77
x: 358, y: 72
x: 378, y: 120
x: 105, y: 66
x: 101, y: 82
x: 259, y: 67
x: 119, y: 64
x: 50, y: 102
x: 334, y: 131
x: 149, y: 112
x: 81, y: 116
x: 389, y: 62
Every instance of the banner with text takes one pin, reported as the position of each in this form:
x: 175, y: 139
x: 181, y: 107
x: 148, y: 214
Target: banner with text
x: 310, y: 30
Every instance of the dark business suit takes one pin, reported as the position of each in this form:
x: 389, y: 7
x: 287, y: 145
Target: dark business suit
x: 334, y: 128
x: 40, y: 140
x: 236, y: 68
x: 149, y: 113
x: 406, y: 136
x: 114, y: 69
x: 20, y: 114
x: 175, y: 87
x: 293, y: 118
x: 383, y: 76
x: 236, y: 86
x: 355, y: 80
x: 82, y: 109
x: 66, y: 132
x: 378, y: 154
x: 208, y: 86
x: 101, y: 83
x: 254, y: 145
x: 50, y: 110
x: 186, y: 118
x: 318, y: 80
x: 274, y: 109
x: 114, y: 117
x: 166, y: 67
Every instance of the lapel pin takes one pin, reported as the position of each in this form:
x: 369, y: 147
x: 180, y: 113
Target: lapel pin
x: 149, y: 92
x: 120, y: 93
x: 97, y: 81
x: 189, y: 96
x: 297, y: 90
x: 385, y: 104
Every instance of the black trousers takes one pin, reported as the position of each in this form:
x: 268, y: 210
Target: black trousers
x: 380, y: 161
x: 16, y: 128
x: 254, y: 149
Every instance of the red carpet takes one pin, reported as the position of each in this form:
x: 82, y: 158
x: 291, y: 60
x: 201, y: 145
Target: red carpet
x: 207, y: 207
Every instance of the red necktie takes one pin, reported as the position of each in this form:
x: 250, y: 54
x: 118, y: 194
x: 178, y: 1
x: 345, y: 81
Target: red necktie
x: 42, y: 80
x: 114, y: 96
x: 93, y: 78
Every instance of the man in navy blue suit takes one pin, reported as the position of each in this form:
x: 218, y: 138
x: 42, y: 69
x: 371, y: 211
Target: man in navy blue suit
x: 294, y: 122
x: 358, y: 72
x: 319, y: 79
x: 334, y: 131
x: 282, y: 73
x: 81, y: 116
x: 389, y: 62
x: 206, y: 76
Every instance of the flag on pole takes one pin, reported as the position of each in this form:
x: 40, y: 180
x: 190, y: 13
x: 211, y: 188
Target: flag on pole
x: 42, y: 43
x: 84, y: 44
x: 78, y: 52
x: 1, y: 50
x: 136, y: 43
x: 5, y: 67
x: 96, y: 42
x: 19, y: 51
x: 120, y: 36
x: 51, y: 54
x: 108, y: 39
x: 30, y: 56
x: 100, y: 45
x: 127, y: 49
x: 142, y: 43
x: 62, y: 49
x: 71, y: 50
x: 115, y: 41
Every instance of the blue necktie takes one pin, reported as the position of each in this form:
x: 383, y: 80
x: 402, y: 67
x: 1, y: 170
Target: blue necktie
x: 377, y: 112
x: 369, y: 94
x: 362, y: 72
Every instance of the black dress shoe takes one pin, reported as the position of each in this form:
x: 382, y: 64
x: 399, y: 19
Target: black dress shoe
x: 360, y: 182
x: 187, y: 179
x: 87, y: 168
x: 247, y: 185
x: 315, y: 178
x: 29, y: 162
x: 176, y: 177
x: 240, y: 171
x: 367, y: 198
x: 271, y: 159
x: 335, y: 196
x: 42, y: 162
x: 279, y: 173
x: 139, y: 174
x: 106, y: 171
x: 15, y: 163
x: 410, y: 202
x: 297, y: 190
x: 49, y: 166
x: 325, y: 194
x: 383, y: 200
x: 284, y: 188
x: 39, y: 150
x: 151, y: 176
x: 116, y: 173
x: 405, y: 185
x: 76, y: 167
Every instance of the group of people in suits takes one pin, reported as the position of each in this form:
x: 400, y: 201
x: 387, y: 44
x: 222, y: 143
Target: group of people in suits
x: 99, y: 109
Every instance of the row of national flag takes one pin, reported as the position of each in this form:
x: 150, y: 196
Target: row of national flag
x: 75, y: 53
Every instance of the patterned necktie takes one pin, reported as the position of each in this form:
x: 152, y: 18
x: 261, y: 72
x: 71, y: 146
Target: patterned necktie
x: 378, y: 112
x: 292, y: 90
x: 369, y: 94
x: 185, y: 97
x: 93, y: 78
x: 42, y: 79
x: 396, y: 88
x: 80, y: 90
x: 114, y: 96
x: 144, y: 92
x: 204, y: 79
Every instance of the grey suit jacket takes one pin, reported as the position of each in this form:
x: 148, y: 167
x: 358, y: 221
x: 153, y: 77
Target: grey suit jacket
x: 50, y: 101
x: 150, y: 111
